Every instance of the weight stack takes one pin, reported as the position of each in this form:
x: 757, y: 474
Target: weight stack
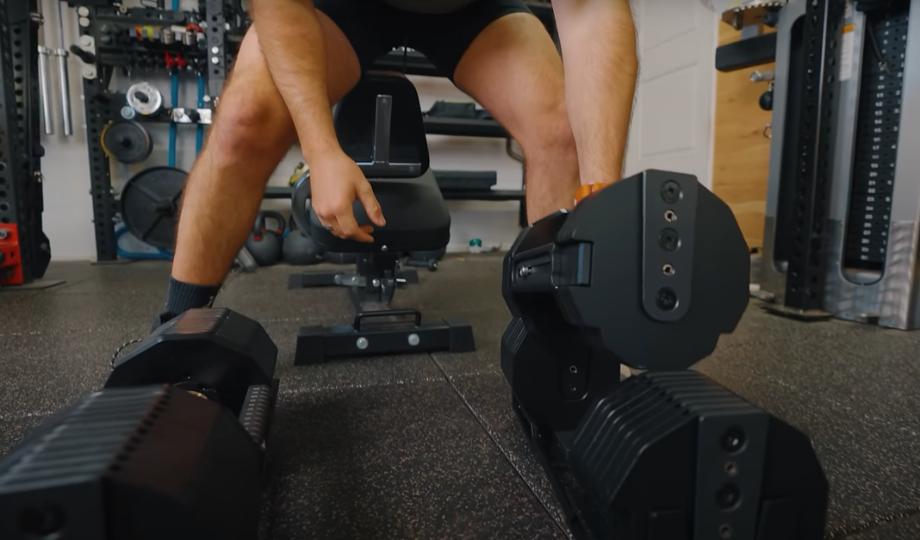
x: 874, y: 225
x: 864, y: 250
x: 675, y: 456
x: 134, y: 463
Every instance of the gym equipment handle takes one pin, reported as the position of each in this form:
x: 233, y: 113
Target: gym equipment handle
x: 380, y: 164
x: 382, y: 122
x: 47, y: 120
x: 417, y: 315
x: 63, y: 75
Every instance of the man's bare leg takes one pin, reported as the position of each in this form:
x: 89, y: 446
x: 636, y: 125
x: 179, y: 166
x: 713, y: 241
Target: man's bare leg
x: 513, y: 69
x: 600, y: 81
x: 251, y: 133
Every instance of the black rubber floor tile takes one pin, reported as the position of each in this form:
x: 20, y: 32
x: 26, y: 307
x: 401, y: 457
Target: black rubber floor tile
x: 406, y: 461
x: 124, y: 277
x: 96, y: 314
x: 462, y: 282
x: 153, y: 288
x: 479, y: 362
x: 898, y: 528
x: 489, y: 398
x: 70, y: 271
x: 488, y: 328
x: 133, y: 290
x: 264, y: 296
x: 39, y: 374
x: 59, y: 276
x: 355, y: 374
x: 13, y: 430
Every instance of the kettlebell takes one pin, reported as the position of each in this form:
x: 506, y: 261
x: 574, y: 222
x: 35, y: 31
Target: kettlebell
x: 766, y: 100
x: 264, y: 243
x: 299, y: 247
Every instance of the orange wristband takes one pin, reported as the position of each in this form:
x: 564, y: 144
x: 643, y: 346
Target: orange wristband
x: 587, y: 189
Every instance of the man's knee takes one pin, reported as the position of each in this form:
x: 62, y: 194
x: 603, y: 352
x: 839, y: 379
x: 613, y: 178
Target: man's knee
x: 549, y: 135
x: 250, y: 127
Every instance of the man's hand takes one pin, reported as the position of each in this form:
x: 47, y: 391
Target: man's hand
x: 335, y: 183
x: 293, y: 44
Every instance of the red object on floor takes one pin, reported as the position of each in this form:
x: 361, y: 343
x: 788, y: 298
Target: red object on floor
x: 10, y: 259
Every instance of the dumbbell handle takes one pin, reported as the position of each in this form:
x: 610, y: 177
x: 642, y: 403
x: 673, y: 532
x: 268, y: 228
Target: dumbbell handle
x: 256, y: 412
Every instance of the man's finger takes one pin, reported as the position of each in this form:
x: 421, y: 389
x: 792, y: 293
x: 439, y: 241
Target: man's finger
x: 333, y: 230
x: 370, y: 203
x: 323, y: 223
x: 348, y: 227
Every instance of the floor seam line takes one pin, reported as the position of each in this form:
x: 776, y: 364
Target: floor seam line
x: 350, y: 387
x: 845, y: 532
x: 501, y: 450
x: 26, y: 416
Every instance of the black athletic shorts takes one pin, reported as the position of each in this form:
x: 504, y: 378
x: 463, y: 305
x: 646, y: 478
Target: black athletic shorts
x: 374, y: 28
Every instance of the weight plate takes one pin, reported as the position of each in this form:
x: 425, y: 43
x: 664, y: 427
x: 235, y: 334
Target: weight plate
x: 150, y: 205
x: 144, y: 98
x: 126, y: 141
x: 300, y: 203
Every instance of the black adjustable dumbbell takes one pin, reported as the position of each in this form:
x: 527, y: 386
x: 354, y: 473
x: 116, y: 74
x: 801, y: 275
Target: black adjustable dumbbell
x: 172, y: 447
x: 648, y: 272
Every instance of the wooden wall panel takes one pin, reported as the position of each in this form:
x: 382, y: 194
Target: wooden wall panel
x: 741, y: 151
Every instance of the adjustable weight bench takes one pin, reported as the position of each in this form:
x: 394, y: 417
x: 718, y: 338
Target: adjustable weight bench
x: 394, y: 157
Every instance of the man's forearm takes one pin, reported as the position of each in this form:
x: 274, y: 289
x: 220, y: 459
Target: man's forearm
x: 292, y: 42
x: 599, y: 48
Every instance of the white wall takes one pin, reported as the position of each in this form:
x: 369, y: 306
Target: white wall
x: 68, y: 209
x: 673, y: 120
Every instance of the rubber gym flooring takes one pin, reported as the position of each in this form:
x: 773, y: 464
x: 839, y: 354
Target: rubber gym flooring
x: 426, y: 446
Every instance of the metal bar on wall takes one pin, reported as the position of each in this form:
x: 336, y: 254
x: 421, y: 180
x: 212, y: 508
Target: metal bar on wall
x: 218, y: 60
x: 806, y: 272
x: 96, y: 97
x: 20, y: 144
x: 9, y: 188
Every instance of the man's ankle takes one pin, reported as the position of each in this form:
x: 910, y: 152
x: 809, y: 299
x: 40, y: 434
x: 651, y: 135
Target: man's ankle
x: 181, y: 297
